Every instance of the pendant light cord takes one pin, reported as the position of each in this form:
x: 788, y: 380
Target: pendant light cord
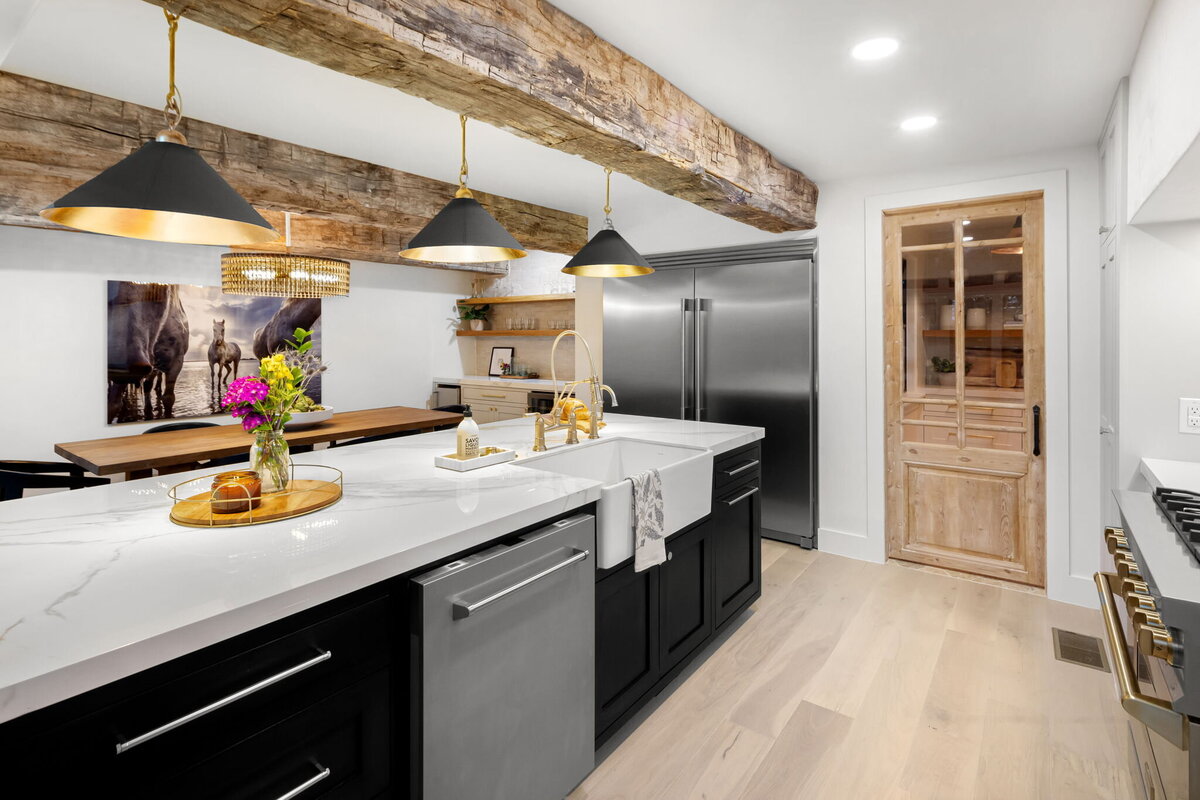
x: 173, y: 111
x: 608, y: 198
x: 463, y: 191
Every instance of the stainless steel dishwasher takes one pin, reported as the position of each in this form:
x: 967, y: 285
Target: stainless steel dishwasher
x: 504, y: 668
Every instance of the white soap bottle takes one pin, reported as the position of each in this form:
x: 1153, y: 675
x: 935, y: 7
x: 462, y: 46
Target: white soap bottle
x: 468, y: 436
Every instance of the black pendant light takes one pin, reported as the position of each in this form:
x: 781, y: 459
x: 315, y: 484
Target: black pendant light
x: 608, y: 255
x: 463, y: 232
x: 164, y: 191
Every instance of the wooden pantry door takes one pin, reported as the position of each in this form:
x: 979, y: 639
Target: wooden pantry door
x: 965, y: 448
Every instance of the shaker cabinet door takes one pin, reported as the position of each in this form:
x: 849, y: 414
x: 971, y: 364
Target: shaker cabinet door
x: 737, y: 553
x: 686, y: 607
x: 626, y: 641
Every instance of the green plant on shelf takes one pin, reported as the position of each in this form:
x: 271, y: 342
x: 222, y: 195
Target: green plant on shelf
x: 946, y: 365
x: 466, y: 313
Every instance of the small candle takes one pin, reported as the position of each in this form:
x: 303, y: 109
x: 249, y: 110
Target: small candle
x: 236, y: 492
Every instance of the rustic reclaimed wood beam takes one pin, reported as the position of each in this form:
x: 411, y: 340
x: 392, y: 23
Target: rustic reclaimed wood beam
x: 531, y: 69
x: 53, y: 138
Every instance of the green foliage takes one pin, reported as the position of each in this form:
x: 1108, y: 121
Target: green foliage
x: 466, y: 312
x: 946, y: 365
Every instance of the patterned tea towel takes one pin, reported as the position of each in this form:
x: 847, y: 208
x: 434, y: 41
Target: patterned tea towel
x: 648, y: 546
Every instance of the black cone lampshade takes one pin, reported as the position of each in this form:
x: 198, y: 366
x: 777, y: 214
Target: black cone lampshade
x: 608, y: 255
x: 463, y: 233
x: 164, y: 191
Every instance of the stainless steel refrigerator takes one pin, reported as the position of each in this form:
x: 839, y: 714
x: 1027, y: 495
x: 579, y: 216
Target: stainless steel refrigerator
x: 728, y: 335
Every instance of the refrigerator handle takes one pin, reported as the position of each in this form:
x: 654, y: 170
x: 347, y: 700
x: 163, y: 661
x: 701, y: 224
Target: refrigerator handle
x: 685, y: 305
x: 698, y: 346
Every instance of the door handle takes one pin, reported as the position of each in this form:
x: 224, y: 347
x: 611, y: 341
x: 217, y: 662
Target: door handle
x: 741, y: 497
x: 129, y: 744
x: 685, y: 305
x: 303, y: 787
x: 1106, y: 429
x: 464, y: 610
x: 1037, y: 430
x: 701, y: 306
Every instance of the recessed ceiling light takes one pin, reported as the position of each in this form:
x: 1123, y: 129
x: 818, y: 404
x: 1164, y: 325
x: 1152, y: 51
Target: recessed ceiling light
x: 968, y: 238
x: 918, y: 123
x: 966, y: 222
x: 875, y: 49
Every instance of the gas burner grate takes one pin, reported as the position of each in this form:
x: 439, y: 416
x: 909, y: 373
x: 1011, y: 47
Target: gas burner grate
x: 1182, y: 510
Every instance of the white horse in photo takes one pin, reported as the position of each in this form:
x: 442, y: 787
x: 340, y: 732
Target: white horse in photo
x: 223, y: 356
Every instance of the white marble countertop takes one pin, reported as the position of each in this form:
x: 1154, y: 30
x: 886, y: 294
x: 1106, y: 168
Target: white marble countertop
x: 97, y: 584
x: 539, y: 384
x: 1183, y: 475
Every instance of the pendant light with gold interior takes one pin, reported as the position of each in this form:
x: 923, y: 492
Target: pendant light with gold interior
x: 607, y: 254
x: 463, y: 232
x: 163, y: 191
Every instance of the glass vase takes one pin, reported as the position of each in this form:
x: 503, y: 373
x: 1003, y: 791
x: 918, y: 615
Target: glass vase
x: 271, y: 460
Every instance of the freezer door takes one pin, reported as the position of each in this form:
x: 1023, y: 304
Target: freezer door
x: 754, y: 359
x: 506, y: 668
x: 647, y: 333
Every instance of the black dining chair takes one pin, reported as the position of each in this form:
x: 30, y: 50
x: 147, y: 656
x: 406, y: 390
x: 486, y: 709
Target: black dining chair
x: 17, y: 476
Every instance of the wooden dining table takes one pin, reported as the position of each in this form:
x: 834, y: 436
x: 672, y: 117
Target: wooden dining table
x: 177, y: 451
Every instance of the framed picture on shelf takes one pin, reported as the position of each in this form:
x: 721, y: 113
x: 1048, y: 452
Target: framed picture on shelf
x: 502, y: 359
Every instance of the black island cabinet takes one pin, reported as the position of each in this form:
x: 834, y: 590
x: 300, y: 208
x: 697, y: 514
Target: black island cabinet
x: 651, y: 624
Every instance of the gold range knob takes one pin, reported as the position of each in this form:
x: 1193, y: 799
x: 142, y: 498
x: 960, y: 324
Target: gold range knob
x: 1142, y: 616
x: 1154, y: 640
x: 1115, y: 539
x: 1140, y: 601
x: 1126, y: 566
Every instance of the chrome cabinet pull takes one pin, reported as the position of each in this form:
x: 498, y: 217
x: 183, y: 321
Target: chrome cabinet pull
x: 742, y: 468
x: 741, y: 497
x: 1155, y: 714
x: 313, y: 781
x: 129, y: 744
x: 685, y: 305
x: 464, y: 610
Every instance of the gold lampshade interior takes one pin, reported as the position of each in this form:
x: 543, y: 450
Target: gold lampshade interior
x: 160, y: 226
x: 608, y: 270
x: 284, y: 275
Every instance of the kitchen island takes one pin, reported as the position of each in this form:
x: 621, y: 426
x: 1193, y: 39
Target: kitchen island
x: 97, y: 586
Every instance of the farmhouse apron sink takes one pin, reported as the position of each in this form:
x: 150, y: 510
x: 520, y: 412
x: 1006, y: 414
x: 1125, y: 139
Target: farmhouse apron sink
x: 686, y: 474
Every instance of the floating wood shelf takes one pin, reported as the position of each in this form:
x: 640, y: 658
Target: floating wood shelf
x: 507, y: 333
x: 524, y: 298
x: 1003, y: 333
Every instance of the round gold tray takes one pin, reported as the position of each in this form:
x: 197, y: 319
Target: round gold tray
x: 311, y: 488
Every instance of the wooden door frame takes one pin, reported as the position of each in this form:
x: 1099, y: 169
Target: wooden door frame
x: 1030, y: 568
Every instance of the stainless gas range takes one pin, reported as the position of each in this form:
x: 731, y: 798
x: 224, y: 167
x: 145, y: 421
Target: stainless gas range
x: 1151, y: 607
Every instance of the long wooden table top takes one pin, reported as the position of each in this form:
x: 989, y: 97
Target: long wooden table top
x: 141, y: 452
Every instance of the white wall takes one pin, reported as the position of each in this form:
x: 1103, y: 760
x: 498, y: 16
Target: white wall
x: 383, y: 344
x: 1160, y: 343
x: 1164, y: 116
x: 851, y: 380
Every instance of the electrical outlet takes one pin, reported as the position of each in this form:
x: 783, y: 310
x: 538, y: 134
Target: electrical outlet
x: 1189, y: 415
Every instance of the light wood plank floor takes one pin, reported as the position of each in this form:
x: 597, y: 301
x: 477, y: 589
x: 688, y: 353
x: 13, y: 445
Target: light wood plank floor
x: 858, y: 680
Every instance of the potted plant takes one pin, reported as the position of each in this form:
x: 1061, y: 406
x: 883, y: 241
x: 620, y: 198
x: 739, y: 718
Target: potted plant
x: 945, y: 368
x: 474, y: 316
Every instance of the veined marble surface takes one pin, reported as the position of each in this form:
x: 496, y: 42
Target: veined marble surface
x: 97, y: 584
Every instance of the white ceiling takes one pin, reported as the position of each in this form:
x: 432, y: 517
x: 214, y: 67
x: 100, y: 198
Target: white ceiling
x: 1005, y: 78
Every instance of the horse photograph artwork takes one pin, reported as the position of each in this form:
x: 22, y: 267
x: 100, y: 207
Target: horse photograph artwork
x: 174, y: 349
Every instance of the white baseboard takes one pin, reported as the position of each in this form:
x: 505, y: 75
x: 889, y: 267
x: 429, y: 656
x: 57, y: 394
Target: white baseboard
x: 844, y: 543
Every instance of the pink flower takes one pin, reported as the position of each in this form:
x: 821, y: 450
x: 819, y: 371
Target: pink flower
x: 252, y: 420
x: 245, y: 391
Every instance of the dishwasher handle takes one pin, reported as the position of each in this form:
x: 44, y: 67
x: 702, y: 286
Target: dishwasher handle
x: 462, y: 610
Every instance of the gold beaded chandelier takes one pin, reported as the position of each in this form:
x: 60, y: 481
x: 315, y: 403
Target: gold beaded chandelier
x: 284, y: 274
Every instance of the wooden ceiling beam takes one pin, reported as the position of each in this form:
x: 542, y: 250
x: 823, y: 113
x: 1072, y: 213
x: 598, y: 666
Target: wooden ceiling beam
x: 53, y: 138
x: 531, y: 69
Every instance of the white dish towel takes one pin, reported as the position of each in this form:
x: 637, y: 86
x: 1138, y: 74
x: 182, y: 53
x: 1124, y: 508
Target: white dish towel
x: 649, y: 547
